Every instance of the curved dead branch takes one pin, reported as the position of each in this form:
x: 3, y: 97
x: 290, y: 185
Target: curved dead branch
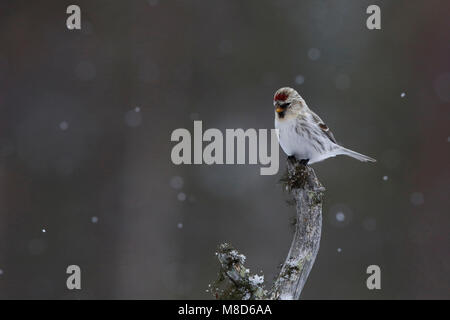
x: 236, y: 282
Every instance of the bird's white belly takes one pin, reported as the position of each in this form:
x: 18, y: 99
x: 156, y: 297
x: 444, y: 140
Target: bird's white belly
x: 294, y: 144
x: 291, y: 143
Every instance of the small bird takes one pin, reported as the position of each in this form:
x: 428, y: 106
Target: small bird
x: 302, y: 134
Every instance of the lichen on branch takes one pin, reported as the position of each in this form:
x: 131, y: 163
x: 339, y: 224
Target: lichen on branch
x: 235, y: 281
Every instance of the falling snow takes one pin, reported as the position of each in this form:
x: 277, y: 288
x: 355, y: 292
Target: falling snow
x: 340, y: 216
x: 385, y: 178
x: 180, y: 226
x: 314, y: 54
x: 176, y: 182
x: 299, y: 79
x: 181, y: 196
x: 94, y: 219
x: 64, y: 125
x: 402, y: 94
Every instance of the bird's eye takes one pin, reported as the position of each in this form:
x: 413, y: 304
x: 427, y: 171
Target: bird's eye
x: 285, y: 105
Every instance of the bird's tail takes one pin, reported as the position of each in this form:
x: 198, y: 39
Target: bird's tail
x: 355, y: 155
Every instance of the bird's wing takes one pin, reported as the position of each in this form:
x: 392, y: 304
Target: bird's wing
x: 316, y: 119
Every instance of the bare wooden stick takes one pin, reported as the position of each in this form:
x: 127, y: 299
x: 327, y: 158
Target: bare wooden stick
x: 307, y: 191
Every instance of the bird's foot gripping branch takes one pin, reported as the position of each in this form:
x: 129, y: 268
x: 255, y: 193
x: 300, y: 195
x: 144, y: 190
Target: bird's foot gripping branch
x: 236, y: 282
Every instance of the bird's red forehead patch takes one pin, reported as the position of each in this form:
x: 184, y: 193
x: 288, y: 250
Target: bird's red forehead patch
x: 281, y: 96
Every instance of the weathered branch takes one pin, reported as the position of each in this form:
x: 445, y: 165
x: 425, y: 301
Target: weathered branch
x: 307, y: 191
x: 239, y: 283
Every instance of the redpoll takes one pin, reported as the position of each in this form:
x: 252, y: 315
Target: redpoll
x: 302, y: 133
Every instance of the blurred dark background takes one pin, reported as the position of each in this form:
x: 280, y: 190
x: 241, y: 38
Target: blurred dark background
x: 85, y: 124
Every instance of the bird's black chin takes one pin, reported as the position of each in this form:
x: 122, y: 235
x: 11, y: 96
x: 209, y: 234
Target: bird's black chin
x: 281, y: 114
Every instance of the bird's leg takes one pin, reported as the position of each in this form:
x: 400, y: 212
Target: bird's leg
x: 292, y: 159
x: 304, y: 161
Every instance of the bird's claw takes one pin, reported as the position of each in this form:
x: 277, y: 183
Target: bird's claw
x: 293, y: 159
x: 304, y: 161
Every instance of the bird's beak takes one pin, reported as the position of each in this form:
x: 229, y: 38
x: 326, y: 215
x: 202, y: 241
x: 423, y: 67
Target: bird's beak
x: 279, y: 109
